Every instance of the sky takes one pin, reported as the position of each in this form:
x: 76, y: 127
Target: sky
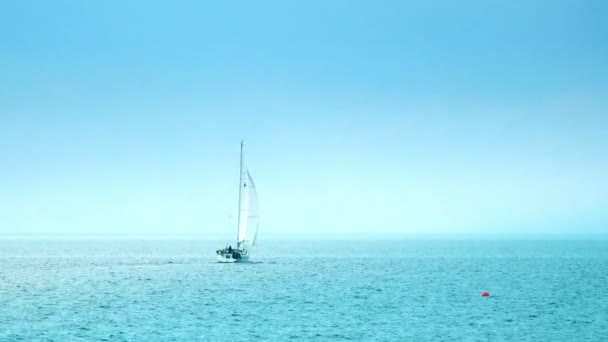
x: 359, y: 117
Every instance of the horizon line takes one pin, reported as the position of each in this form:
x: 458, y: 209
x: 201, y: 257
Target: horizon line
x: 308, y: 236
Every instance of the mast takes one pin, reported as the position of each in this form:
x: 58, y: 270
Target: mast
x: 238, y: 223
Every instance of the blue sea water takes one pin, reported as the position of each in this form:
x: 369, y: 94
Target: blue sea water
x: 321, y: 290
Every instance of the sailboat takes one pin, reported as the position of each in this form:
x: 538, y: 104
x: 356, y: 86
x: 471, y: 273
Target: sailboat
x: 248, y: 219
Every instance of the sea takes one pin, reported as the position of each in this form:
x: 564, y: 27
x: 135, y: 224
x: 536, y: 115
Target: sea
x: 173, y: 289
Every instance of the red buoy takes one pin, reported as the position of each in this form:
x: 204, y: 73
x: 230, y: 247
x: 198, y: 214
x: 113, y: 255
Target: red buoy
x: 485, y: 294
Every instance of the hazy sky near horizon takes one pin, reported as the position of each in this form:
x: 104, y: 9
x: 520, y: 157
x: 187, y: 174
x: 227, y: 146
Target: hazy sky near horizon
x: 358, y: 116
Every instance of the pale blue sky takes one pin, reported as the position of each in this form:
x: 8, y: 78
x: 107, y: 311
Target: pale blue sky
x: 363, y: 116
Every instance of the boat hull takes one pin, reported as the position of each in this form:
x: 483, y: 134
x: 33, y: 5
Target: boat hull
x: 224, y: 259
x: 232, y: 257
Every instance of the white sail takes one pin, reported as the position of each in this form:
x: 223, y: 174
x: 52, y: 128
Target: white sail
x: 253, y: 213
x: 249, y: 210
x: 243, y: 204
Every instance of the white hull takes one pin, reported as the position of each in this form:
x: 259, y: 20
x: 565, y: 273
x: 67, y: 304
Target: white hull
x: 227, y: 258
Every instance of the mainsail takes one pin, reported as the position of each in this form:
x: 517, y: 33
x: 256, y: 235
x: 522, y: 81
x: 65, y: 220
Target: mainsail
x: 248, y: 209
